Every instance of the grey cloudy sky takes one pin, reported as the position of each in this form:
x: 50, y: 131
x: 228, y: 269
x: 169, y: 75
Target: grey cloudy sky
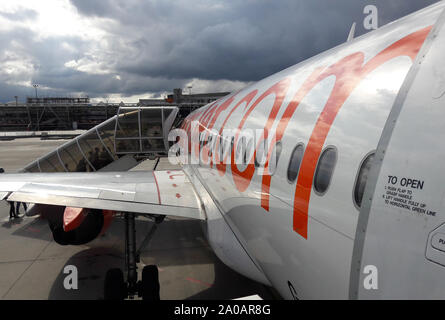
x: 128, y: 49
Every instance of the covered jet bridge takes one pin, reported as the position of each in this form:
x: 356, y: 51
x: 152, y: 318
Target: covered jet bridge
x: 117, y: 144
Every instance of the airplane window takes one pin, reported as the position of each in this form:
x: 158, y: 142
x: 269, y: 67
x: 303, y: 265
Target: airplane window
x: 221, y: 145
x: 226, y: 145
x: 210, y: 145
x: 275, y: 157
x: 202, y: 140
x: 248, y: 153
x: 295, y: 162
x: 239, y: 156
x: 362, y: 177
x: 260, y: 154
x: 325, y: 168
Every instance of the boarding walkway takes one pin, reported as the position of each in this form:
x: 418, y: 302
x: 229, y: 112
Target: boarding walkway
x: 117, y: 144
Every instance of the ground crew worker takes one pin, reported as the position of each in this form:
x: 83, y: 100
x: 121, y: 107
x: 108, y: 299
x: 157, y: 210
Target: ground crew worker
x: 12, y: 213
x: 17, y: 209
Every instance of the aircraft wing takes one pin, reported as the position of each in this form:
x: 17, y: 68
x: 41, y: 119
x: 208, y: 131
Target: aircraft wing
x: 157, y: 192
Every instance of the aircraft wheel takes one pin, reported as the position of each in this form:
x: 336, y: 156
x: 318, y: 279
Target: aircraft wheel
x: 149, y: 285
x: 114, y: 288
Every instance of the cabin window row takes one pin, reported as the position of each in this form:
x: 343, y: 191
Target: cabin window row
x: 323, y: 172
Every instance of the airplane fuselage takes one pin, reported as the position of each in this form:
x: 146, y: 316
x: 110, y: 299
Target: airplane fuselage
x: 356, y: 190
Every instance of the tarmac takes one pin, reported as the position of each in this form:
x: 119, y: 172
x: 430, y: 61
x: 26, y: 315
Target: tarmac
x: 32, y: 264
x: 65, y: 134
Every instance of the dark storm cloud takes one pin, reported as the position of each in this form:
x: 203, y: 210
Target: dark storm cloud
x: 155, y: 46
x: 93, y: 8
x: 236, y: 40
x: 44, y: 64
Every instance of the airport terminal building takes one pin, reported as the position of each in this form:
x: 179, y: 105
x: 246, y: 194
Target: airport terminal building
x: 66, y: 113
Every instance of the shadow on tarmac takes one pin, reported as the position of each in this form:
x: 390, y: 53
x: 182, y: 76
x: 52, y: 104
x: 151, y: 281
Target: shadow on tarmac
x: 178, y: 247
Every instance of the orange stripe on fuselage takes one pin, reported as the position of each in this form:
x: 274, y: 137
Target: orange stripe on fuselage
x: 348, y: 72
x: 221, y: 167
x: 307, y: 86
x: 243, y: 178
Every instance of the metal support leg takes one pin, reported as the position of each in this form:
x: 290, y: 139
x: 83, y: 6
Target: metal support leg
x: 149, y: 235
x: 130, y: 253
x: 149, y: 286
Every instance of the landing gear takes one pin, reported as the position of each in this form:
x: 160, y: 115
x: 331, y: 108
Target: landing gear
x: 148, y: 288
x: 150, y: 283
x: 115, y: 288
x: 130, y: 255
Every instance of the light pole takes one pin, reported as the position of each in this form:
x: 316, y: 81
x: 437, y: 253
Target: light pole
x: 38, y: 119
x: 35, y: 87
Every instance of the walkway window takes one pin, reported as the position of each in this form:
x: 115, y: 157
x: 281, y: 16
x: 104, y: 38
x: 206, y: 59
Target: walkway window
x: 106, y: 132
x: 128, y: 123
x: 324, y: 170
x: 295, y: 162
x: 74, y: 158
x: 362, y: 177
x: 51, y: 163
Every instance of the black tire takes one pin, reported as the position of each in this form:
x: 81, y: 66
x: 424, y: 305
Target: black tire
x: 114, y: 287
x: 150, y: 283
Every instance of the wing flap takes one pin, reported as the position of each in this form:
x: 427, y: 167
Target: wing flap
x: 167, y: 193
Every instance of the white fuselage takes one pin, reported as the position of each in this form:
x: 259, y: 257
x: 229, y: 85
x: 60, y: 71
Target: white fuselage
x: 374, y: 95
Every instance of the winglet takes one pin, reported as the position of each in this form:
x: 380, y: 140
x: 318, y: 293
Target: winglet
x: 351, y: 33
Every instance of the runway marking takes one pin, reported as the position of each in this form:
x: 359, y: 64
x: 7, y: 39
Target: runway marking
x: 34, y: 230
x: 199, y: 281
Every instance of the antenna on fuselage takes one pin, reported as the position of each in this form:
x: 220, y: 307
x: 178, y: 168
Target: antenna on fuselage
x: 351, y: 33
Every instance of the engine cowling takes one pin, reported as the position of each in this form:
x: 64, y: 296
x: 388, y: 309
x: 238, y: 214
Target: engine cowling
x: 87, y: 231
x: 92, y: 223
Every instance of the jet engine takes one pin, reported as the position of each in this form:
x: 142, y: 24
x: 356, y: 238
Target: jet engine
x: 75, y: 226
